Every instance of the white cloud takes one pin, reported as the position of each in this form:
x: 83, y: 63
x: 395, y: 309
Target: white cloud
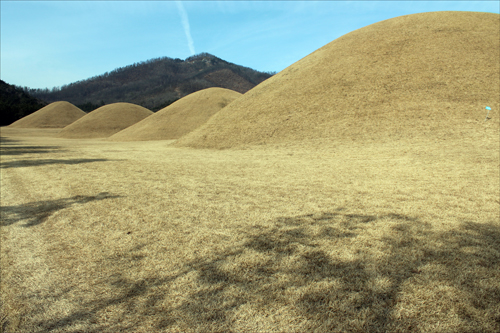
x: 185, y: 24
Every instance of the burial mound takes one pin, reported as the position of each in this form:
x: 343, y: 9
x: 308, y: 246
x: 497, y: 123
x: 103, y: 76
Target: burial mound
x: 420, y: 75
x: 226, y: 78
x: 105, y: 121
x: 180, y: 117
x: 54, y: 115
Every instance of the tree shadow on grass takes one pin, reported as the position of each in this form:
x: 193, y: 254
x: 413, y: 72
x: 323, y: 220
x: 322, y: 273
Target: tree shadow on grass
x: 7, y: 141
x: 38, y: 162
x: 299, y: 271
x: 38, y: 212
x: 21, y: 150
x: 10, y: 147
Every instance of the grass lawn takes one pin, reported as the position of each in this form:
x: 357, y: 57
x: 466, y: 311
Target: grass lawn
x: 100, y: 236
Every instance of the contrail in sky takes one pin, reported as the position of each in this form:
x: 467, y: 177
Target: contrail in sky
x: 185, y: 24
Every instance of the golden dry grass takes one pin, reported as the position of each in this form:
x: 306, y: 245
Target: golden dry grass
x: 54, y: 115
x: 366, y: 236
x: 341, y: 221
x: 105, y: 121
x: 420, y: 75
x: 179, y: 118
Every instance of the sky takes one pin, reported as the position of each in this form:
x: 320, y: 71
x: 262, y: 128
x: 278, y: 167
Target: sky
x: 45, y: 44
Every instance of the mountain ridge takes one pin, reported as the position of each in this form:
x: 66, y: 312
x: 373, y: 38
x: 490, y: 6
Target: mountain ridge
x: 154, y: 83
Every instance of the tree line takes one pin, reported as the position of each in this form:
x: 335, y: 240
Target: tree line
x: 15, y: 103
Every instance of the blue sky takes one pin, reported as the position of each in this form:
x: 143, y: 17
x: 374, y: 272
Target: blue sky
x: 51, y: 43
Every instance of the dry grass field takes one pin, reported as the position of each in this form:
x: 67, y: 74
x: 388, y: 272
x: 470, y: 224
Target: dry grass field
x: 358, y: 190
x: 347, y: 236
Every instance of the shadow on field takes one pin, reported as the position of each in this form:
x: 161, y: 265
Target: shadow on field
x: 37, y: 212
x: 12, y: 147
x: 21, y: 150
x: 38, y: 162
x: 299, y: 280
x: 5, y: 140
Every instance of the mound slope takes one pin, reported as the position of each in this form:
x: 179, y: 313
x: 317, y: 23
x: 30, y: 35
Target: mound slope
x: 54, y: 115
x: 226, y: 78
x: 105, y: 121
x: 416, y: 75
x: 180, y: 117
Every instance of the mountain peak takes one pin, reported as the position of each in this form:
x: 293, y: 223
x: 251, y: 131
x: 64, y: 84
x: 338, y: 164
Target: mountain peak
x: 155, y: 83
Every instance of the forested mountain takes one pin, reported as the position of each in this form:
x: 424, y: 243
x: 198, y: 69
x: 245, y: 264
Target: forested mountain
x: 155, y: 83
x: 16, y: 104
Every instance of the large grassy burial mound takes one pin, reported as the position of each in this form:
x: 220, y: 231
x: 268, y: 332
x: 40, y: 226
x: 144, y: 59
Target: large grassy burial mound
x: 105, y: 121
x: 54, y: 115
x: 179, y: 118
x: 422, y: 75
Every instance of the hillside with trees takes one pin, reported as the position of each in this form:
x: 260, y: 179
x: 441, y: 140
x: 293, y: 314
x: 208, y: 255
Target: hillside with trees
x: 154, y: 83
x: 16, y: 103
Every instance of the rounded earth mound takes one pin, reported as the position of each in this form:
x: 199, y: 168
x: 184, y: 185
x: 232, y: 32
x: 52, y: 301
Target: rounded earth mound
x: 180, y: 117
x: 105, y: 121
x: 54, y: 115
x: 420, y: 75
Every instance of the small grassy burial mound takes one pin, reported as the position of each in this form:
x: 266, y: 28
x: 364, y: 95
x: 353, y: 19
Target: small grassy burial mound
x: 105, y: 121
x: 179, y: 118
x: 54, y: 115
x: 421, y: 75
